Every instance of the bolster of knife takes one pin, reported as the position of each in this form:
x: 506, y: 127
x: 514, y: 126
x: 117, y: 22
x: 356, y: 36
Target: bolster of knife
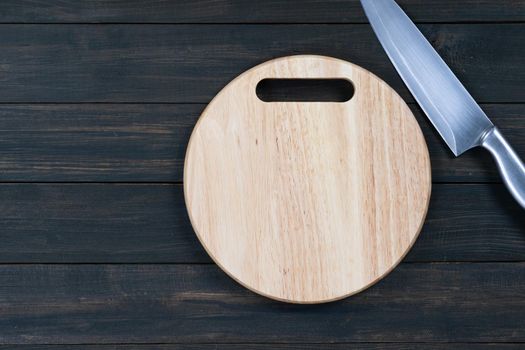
x: 510, y: 165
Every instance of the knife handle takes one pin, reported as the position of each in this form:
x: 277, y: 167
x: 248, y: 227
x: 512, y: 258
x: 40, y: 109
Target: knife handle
x: 510, y: 165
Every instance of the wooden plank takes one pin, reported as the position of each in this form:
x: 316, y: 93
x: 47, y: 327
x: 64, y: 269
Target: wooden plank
x: 96, y: 223
x: 95, y: 142
x: 147, y: 143
x: 76, y: 304
x: 249, y: 346
x: 188, y: 63
x: 468, y: 223
x: 239, y: 11
x: 100, y: 223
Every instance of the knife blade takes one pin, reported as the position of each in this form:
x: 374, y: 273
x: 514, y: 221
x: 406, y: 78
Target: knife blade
x: 452, y: 110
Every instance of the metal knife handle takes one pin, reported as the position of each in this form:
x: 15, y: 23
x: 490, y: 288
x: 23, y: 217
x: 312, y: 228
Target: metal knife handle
x: 510, y: 165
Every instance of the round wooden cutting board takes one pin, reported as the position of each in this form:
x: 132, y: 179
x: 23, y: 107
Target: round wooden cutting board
x: 307, y: 202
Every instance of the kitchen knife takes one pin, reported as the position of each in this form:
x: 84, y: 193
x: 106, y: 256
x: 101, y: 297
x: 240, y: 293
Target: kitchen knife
x: 451, y: 109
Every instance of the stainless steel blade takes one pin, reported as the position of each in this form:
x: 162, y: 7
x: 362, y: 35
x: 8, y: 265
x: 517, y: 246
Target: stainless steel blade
x: 452, y: 110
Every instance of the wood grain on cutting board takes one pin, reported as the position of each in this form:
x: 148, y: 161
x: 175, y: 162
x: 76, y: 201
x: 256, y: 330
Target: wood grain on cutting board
x: 307, y: 202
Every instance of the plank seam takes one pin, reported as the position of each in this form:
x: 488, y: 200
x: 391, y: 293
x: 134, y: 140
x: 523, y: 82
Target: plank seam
x: 278, y: 23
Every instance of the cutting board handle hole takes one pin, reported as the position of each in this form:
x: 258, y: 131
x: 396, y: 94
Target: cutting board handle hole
x: 305, y: 90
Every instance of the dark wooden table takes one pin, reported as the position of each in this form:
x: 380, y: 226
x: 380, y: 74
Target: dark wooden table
x: 97, y: 101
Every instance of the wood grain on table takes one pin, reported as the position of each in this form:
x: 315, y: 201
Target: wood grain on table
x: 97, y: 101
